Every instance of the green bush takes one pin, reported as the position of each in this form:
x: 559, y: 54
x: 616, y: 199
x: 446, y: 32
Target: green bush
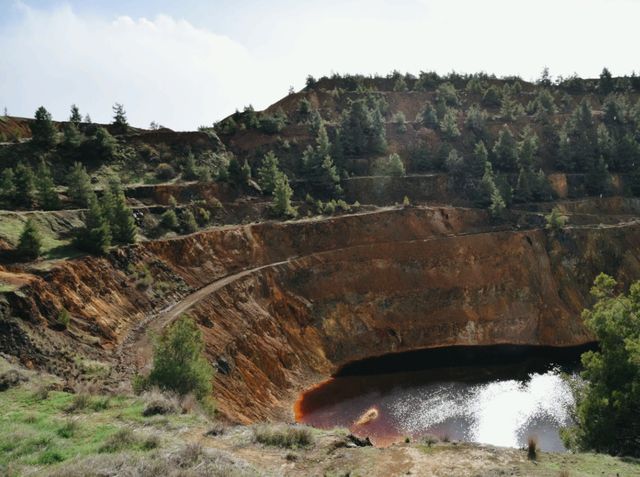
x: 287, y: 437
x: 178, y: 361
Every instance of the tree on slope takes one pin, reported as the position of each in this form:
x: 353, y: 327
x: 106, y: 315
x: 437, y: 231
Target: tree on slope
x: 607, y: 407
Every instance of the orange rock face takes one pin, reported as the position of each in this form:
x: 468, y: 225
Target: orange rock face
x: 327, y: 292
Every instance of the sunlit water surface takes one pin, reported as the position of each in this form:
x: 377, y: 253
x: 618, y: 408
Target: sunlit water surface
x: 499, y: 405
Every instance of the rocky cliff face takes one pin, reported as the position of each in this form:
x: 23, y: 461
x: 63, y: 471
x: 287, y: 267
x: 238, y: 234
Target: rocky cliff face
x: 326, y: 292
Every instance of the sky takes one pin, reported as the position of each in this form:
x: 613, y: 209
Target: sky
x: 190, y: 63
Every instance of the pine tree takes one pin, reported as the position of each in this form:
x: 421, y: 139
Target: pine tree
x: 120, y: 118
x: 169, y: 220
x: 188, y: 222
x: 42, y: 129
x: 25, y: 185
x: 527, y: 149
x: 282, y: 194
x: 95, y: 236
x: 7, y: 185
x: 103, y: 145
x: 505, y: 151
x: 476, y: 162
x: 605, y: 83
x: 80, y: 188
x: 429, y: 116
x: 319, y: 165
x: 72, y: 138
x: 524, y: 186
x: 119, y: 214
x: 75, y: 117
x: 497, y: 207
x: 189, y: 170
x: 47, y: 195
x: 268, y: 172
x: 476, y: 122
x: 30, y: 244
x: 449, y: 125
x: 597, y: 177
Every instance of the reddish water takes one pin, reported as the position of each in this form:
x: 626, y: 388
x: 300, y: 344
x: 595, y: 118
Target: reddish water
x: 488, y: 403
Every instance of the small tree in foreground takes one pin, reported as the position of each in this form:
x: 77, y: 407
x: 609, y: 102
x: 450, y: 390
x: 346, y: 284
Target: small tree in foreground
x: 178, y: 361
x: 30, y: 244
x: 607, y: 414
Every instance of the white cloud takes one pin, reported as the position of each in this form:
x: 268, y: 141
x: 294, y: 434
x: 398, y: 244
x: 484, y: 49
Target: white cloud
x: 159, y: 69
x: 170, y: 71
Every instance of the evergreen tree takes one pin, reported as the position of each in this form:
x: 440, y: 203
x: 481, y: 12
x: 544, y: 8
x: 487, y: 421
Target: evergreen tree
x: 268, y: 172
x: 42, y: 129
x: 282, y: 194
x: 47, y: 195
x: 319, y: 165
x: 30, y: 244
x: 169, y: 220
x: 95, y: 236
x: 75, y: 117
x: 492, y: 98
x: 527, y: 149
x: 497, y: 206
x: 510, y: 109
x: 120, y: 118
x: 597, y: 178
x: 188, y: 222
x: 119, y: 214
x: 79, y: 183
x: 579, y: 140
x: 607, y: 406
x: 189, y: 169
x: 476, y: 122
x: 487, y: 187
x: 25, y: 185
x: 605, y: 83
x: 7, y: 185
x: 103, y: 146
x: 449, y: 125
x: 72, y: 138
x: 475, y: 163
x: 524, y: 187
x: 362, y: 129
x: 429, y: 117
x: 505, y: 151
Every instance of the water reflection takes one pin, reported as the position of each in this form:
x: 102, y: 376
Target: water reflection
x: 499, y: 405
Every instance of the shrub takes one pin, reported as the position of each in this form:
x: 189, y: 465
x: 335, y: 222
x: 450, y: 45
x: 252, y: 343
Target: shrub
x: 178, y: 361
x: 169, y: 220
x: 555, y: 221
x: 63, y: 319
x: 400, y: 121
x: 287, y: 437
x: 165, y: 171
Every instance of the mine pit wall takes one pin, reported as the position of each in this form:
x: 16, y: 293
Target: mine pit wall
x: 284, y: 329
x: 355, y: 287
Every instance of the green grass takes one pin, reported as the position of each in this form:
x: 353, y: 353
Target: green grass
x: 53, y: 245
x: 36, y: 431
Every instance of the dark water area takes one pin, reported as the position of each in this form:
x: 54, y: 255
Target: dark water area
x: 500, y: 395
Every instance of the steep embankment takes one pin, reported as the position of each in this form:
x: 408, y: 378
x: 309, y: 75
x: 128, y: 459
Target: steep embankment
x: 283, y: 305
